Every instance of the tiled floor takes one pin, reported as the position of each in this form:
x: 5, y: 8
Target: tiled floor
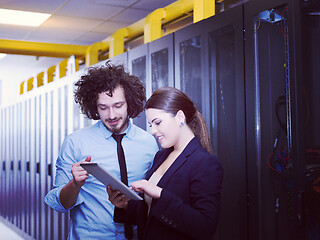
x: 8, y: 234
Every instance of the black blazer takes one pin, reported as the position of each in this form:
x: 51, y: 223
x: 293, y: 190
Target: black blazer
x: 189, y: 205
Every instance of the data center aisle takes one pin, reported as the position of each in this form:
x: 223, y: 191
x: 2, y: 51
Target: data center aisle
x: 8, y: 234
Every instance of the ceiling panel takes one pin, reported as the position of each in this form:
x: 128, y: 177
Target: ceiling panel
x: 91, y: 37
x: 57, y: 22
x: 130, y: 15
x: 61, y: 29
x: 63, y: 36
x: 44, y: 6
x: 121, y: 3
x: 75, y: 8
x: 109, y: 27
x: 14, y: 32
x: 151, y: 5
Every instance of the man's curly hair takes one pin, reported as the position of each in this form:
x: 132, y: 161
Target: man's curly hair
x: 106, y: 79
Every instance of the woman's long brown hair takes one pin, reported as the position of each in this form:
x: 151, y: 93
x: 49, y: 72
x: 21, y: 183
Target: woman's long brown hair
x: 171, y: 100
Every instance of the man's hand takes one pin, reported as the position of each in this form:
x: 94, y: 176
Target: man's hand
x: 79, y: 174
x: 117, y: 198
x: 69, y: 193
x: 144, y: 186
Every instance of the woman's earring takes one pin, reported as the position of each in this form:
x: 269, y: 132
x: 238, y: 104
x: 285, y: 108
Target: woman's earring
x: 181, y: 124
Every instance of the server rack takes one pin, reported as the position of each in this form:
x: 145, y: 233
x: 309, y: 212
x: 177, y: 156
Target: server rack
x: 209, y: 68
x: 153, y: 64
x: 265, y: 82
x: 161, y: 62
x: 275, y: 80
x: 138, y: 59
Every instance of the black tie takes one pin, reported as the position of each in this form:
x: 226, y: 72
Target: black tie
x: 124, y: 178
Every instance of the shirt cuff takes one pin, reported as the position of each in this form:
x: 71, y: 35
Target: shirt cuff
x: 53, y: 200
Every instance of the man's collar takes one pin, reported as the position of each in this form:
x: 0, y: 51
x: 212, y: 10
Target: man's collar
x: 107, y: 133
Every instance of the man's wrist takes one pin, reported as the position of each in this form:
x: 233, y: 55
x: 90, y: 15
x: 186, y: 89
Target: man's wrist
x: 75, y: 184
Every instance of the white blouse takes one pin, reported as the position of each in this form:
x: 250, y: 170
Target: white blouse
x: 154, y: 179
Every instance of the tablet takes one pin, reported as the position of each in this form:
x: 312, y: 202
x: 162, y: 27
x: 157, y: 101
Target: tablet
x: 108, y: 179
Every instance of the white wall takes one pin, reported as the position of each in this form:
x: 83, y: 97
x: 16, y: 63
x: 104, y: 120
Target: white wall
x: 9, y: 89
x: 1, y: 93
x: 17, y: 68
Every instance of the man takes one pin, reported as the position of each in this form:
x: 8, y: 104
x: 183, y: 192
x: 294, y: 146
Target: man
x: 110, y: 94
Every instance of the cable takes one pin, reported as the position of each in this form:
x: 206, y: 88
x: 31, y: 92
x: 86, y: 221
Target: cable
x: 258, y: 24
x: 271, y: 154
x: 281, y: 22
x: 281, y: 101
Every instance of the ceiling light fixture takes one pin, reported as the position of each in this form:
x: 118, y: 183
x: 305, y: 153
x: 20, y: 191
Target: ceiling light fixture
x: 23, y: 18
x: 2, y: 55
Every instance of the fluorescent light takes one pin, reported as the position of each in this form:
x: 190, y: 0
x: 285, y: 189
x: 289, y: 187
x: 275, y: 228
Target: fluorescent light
x: 2, y: 55
x: 23, y: 18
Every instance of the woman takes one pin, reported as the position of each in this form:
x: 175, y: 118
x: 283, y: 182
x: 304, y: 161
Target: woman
x: 182, y: 189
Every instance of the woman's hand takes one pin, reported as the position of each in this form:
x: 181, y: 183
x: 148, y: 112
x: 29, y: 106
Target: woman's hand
x: 144, y: 186
x: 117, y: 198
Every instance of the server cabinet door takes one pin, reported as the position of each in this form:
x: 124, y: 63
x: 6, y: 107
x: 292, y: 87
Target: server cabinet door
x: 2, y: 162
x: 121, y: 59
x: 76, y: 114
x: 28, y: 175
x: 209, y: 69
x: 189, y: 63
x: 49, y: 227
x: 43, y: 218
x: 10, y: 190
x: 161, y: 62
x: 265, y: 86
x: 138, y: 59
x: 37, y: 141
x: 24, y: 158
x: 18, y: 120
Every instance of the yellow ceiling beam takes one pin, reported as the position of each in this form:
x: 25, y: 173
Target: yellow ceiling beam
x: 153, y: 25
x: 155, y: 20
x: 203, y: 9
x: 30, y: 84
x: 136, y: 29
x: 50, y: 73
x: 62, y: 68
x: 133, y: 31
x: 172, y: 12
x: 40, y: 79
x: 177, y: 9
x: 92, y: 53
x: 117, y: 42
x: 22, y: 87
x: 41, y: 49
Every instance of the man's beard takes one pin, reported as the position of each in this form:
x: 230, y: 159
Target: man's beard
x: 117, y: 129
